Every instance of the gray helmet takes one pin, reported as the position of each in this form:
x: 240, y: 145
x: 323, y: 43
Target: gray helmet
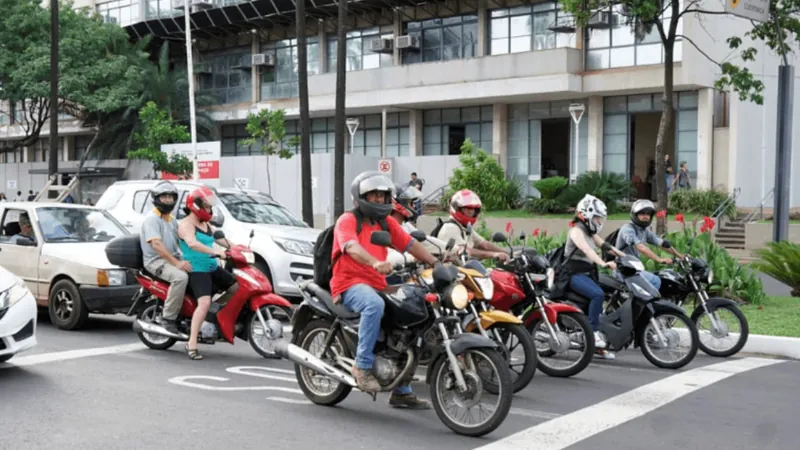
x: 367, y: 182
x: 642, y: 206
x: 164, y: 187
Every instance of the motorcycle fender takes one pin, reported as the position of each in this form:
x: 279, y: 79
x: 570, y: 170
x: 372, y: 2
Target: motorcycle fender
x: 712, y: 304
x: 666, y: 306
x: 458, y: 345
x: 300, y: 319
x: 139, y: 302
x: 552, y: 310
x: 491, y: 317
x: 468, y: 323
x: 268, y: 300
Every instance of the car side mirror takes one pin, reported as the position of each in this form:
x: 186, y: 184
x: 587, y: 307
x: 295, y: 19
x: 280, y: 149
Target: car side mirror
x: 381, y: 238
x: 219, y: 234
x: 499, y: 237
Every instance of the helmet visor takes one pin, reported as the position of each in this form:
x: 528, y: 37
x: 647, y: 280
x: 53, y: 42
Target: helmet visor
x: 376, y: 183
x: 206, y: 200
x: 410, y: 193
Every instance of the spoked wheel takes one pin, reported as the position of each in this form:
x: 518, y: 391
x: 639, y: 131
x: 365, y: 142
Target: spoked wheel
x: 465, y: 412
x: 730, y: 335
x: 681, y: 340
x: 520, y: 354
x: 154, y: 341
x: 263, y: 341
x: 318, y: 388
x: 573, y: 349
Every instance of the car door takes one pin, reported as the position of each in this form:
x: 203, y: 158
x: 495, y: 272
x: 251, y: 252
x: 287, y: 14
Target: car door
x: 21, y: 259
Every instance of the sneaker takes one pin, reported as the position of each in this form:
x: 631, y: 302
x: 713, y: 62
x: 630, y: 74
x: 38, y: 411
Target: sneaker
x: 365, y: 380
x: 599, y: 340
x: 605, y: 354
x: 168, y: 325
x: 408, y: 401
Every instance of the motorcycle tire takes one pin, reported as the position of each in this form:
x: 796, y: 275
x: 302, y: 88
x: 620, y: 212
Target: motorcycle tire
x: 588, y: 350
x: 149, y: 314
x: 499, y: 364
x: 265, y: 353
x: 521, y: 379
x: 743, y: 334
x: 692, y: 349
x: 342, y: 391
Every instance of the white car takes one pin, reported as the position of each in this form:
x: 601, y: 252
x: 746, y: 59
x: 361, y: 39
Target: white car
x: 282, y: 243
x: 17, y: 316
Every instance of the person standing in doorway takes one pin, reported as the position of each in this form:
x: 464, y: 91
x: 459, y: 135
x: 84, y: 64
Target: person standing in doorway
x: 669, y: 172
x: 19, y: 197
x: 31, y: 195
x: 682, y: 180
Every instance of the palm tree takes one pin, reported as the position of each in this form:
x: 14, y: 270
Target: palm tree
x: 305, y: 151
x: 338, y: 157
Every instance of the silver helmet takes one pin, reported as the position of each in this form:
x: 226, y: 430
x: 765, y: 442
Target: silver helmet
x: 642, y: 206
x: 372, y: 181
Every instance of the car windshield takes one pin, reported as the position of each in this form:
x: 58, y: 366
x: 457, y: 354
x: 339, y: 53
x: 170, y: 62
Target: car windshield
x: 77, y: 225
x: 257, y: 208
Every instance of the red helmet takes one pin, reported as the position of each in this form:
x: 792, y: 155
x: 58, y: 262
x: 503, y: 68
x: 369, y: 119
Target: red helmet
x: 400, y: 209
x: 465, y: 199
x: 200, y: 201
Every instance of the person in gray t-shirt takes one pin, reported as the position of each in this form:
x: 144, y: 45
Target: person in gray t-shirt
x: 162, y: 256
x: 633, y: 237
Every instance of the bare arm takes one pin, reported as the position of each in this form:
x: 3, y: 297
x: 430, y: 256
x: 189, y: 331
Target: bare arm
x: 580, y: 241
x: 358, y: 253
x: 602, y: 244
x: 649, y: 253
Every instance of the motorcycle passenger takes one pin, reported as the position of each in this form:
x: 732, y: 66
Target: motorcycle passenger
x: 161, y: 254
x: 207, y: 276
x: 465, y: 206
x: 633, y: 238
x: 403, y: 213
x: 582, y: 260
x: 360, y: 272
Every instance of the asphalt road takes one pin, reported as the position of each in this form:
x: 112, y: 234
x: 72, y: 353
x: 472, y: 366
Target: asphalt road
x: 101, y: 389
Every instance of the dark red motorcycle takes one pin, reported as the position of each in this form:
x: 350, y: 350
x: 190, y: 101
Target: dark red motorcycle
x: 520, y: 287
x: 247, y: 315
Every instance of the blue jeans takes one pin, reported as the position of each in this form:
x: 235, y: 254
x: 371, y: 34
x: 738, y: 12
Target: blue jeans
x: 585, y: 286
x: 365, y: 301
x: 651, y: 277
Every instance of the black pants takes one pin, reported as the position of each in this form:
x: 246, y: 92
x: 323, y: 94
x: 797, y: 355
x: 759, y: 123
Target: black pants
x: 203, y: 284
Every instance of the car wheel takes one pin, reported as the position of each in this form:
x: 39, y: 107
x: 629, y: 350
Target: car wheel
x: 65, y: 307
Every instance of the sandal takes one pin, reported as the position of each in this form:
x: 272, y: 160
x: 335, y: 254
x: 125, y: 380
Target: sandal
x: 193, y: 354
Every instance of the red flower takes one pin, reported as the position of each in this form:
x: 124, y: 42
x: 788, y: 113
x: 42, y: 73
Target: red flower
x: 679, y: 218
x: 661, y: 214
x: 708, y: 223
x: 536, y: 232
x: 508, y: 226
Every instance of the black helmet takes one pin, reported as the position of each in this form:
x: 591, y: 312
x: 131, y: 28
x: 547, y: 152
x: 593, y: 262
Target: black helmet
x: 367, y: 182
x: 642, y: 206
x: 164, y: 187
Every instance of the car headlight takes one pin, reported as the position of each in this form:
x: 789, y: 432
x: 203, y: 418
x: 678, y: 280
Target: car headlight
x: 295, y: 247
x: 13, y: 294
x: 110, y: 277
x: 459, y: 297
x: 249, y: 257
x: 486, y: 285
x: 710, y: 277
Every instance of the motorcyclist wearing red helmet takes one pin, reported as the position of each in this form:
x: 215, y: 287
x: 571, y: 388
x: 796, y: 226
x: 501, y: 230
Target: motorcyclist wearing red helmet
x: 197, y: 244
x: 465, y: 207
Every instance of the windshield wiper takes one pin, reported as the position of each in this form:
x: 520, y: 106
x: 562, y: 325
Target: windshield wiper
x: 63, y: 238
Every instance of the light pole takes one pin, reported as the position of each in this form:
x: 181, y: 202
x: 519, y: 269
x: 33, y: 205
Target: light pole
x: 52, y: 162
x: 576, y: 111
x: 352, y: 126
x: 190, y: 71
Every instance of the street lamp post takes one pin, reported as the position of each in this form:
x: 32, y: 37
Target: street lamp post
x: 352, y: 126
x: 190, y: 71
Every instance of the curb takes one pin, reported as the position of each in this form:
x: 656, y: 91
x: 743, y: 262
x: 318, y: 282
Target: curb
x: 784, y: 347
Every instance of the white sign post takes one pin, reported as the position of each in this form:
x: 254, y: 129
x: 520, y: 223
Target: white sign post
x: 352, y: 126
x: 757, y: 10
x: 11, y: 184
x: 208, y: 154
x: 576, y: 111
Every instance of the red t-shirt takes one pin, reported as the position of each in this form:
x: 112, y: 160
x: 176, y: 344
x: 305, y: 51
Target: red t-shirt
x: 348, y: 272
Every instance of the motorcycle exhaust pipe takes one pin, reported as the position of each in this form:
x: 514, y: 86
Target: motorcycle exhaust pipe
x: 297, y: 355
x: 140, y: 326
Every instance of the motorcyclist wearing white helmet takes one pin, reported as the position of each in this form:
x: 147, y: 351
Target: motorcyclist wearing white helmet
x: 633, y: 238
x: 360, y: 269
x: 583, y: 260
x: 465, y: 207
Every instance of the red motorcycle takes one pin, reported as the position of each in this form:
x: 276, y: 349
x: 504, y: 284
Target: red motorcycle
x: 520, y: 287
x: 247, y: 315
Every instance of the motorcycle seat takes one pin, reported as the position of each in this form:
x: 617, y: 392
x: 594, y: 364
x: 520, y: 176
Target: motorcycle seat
x: 610, y: 283
x: 575, y: 298
x: 326, y: 298
x: 149, y: 274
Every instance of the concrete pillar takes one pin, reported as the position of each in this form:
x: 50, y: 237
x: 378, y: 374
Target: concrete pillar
x: 323, y: 48
x: 415, y: 130
x: 705, y: 137
x: 483, y: 29
x: 595, y: 138
x: 397, y: 30
x: 500, y: 133
x: 66, y: 143
x: 255, y: 81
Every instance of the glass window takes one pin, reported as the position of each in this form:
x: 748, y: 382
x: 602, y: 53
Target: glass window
x: 523, y: 29
x: 70, y: 225
x: 258, y: 208
x: 226, y: 75
x: 281, y: 81
x: 476, y: 121
x: 120, y: 12
x: 232, y: 136
x: 443, y: 39
x: 359, y: 55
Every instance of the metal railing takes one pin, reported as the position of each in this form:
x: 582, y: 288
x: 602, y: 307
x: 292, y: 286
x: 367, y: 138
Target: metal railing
x: 759, y: 210
x: 435, y: 196
x: 724, y: 205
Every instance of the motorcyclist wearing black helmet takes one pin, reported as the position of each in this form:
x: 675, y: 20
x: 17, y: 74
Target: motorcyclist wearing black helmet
x: 360, y: 271
x: 633, y: 237
x: 162, y: 255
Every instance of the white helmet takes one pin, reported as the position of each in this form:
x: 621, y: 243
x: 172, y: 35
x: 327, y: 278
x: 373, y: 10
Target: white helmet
x: 594, y: 213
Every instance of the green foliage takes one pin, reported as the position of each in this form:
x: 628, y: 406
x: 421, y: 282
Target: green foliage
x: 781, y: 260
x: 547, y: 202
x: 702, y: 202
x: 158, y: 128
x: 481, y: 173
x: 609, y: 187
x: 267, y: 130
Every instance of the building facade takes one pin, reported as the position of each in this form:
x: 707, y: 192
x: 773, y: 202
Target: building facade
x: 423, y: 77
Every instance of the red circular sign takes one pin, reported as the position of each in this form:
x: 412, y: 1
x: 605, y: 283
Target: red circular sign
x: 385, y: 166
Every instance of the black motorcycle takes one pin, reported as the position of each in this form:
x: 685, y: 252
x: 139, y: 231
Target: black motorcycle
x: 635, y: 315
x: 691, y: 279
x: 325, y: 338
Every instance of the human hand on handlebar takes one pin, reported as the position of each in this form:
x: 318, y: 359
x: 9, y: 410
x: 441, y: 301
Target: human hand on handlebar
x: 383, y: 267
x: 666, y: 261
x: 611, y: 265
x: 221, y: 254
x: 500, y: 256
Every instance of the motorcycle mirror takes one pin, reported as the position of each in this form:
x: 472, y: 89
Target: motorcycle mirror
x: 499, y: 237
x: 419, y: 235
x: 450, y: 244
x: 219, y: 234
x: 469, y: 229
x: 522, y: 236
x: 381, y: 238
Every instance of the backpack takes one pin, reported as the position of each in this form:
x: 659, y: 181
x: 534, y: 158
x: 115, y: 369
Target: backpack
x: 323, y: 251
x: 558, y: 261
x: 611, y: 240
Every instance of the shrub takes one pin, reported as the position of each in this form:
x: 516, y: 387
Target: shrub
x: 609, y: 187
x: 481, y: 173
x: 549, y: 190
x: 703, y: 202
x: 781, y: 260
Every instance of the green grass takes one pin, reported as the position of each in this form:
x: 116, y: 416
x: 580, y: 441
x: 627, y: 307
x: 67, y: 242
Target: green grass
x: 523, y: 214
x: 791, y: 221
x: 777, y: 316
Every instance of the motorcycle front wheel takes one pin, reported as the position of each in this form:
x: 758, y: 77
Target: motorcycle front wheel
x: 448, y: 400
x: 721, y: 315
x: 682, y: 329
x: 515, y: 337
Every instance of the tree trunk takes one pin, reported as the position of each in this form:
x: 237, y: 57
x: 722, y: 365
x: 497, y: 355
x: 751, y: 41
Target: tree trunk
x: 664, y: 127
x: 305, y: 151
x: 338, y: 157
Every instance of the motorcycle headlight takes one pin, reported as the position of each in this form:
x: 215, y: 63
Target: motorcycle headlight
x: 710, y: 277
x: 487, y: 287
x: 249, y: 257
x: 459, y: 297
x: 13, y: 294
x: 551, y: 278
x: 428, y: 279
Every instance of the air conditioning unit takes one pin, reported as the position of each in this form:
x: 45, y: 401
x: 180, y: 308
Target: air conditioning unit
x: 202, y: 68
x: 408, y: 42
x: 110, y: 19
x: 603, y: 20
x: 263, y: 59
x: 381, y: 45
x: 565, y: 23
x: 196, y: 5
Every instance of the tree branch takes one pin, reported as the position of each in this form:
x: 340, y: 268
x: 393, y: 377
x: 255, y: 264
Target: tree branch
x: 700, y: 11
x: 698, y: 49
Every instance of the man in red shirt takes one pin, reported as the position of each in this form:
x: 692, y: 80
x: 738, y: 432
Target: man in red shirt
x: 361, y: 271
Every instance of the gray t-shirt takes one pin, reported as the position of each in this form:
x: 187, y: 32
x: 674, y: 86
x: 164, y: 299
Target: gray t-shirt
x: 154, y: 226
x: 573, y: 252
x: 631, y: 235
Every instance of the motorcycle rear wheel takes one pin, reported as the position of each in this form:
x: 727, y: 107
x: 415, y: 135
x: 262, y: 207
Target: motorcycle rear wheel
x: 588, y: 349
x: 520, y: 380
x: 319, y: 328
x: 156, y: 342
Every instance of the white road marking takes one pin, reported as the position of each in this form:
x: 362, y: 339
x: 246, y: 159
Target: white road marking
x: 248, y: 371
x: 32, y: 360
x: 289, y: 400
x: 533, y: 413
x: 182, y: 381
x: 567, y: 430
